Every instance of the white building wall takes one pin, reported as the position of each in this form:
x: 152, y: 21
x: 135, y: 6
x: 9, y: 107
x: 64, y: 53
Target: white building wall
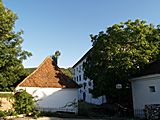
x: 54, y: 99
x: 85, y: 84
x: 142, y: 94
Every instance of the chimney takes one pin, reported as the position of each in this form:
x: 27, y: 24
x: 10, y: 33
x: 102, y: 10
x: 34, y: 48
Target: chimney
x: 55, y: 56
x: 54, y: 59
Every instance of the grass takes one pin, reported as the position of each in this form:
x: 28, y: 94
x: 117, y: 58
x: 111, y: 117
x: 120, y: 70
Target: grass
x: 6, y: 95
x: 89, y: 110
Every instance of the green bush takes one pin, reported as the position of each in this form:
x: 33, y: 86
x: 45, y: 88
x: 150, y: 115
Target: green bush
x: 7, y: 113
x: 2, y: 114
x: 24, y: 103
x: 10, y: 113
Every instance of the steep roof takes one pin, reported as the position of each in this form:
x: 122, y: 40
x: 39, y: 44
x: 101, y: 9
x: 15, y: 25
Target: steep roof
x: 48, y: 75
x: 82, y: 58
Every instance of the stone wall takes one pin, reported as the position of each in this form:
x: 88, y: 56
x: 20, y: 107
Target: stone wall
x: 6, y: 100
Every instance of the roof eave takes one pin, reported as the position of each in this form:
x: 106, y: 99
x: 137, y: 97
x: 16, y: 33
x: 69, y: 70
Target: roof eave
x: 144, y: 77
x: 82, y: 58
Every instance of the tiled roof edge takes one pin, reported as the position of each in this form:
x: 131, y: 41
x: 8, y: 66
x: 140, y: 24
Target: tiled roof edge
x: 33, y: 71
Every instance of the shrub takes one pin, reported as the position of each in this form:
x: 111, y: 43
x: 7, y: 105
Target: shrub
x: 2, y: 114
x: 24, y: 103
x: 10, y: 112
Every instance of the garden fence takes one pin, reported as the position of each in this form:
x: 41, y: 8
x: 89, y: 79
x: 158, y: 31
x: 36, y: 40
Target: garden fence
x: 57, y: 109
x: 139, y: 113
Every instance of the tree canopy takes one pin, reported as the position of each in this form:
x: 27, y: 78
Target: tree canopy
x: 120, y: 52
x: 11, y: 53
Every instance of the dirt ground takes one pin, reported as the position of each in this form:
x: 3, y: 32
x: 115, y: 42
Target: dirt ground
x: 56, y: 118
x: 50, y: 118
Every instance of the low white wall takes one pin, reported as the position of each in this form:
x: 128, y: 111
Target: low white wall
x: 99, y: 100
x: 57, y: 99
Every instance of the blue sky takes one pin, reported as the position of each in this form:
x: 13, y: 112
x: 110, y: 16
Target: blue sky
x: 65, y: 25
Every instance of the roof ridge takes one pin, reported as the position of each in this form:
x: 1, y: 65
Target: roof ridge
x: 34, y: 71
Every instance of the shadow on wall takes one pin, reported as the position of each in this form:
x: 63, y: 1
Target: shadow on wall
x: 61, y: 100
x: 63, y: 79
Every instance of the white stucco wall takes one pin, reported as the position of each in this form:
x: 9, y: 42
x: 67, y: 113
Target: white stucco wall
x: 78, y: 71
x: 141, y: 92
x: 54, y: 99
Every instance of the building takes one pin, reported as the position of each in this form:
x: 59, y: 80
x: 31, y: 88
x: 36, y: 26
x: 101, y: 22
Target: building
x: 53, y: 90
x: 146, y: 88
x: 85, y: 83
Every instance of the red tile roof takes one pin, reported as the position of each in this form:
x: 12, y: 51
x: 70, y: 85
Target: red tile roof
x: 48, y: 75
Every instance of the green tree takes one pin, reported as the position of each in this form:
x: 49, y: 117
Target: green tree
x: 118, y: 53
x: 11, y: 53
x: 68, y: 72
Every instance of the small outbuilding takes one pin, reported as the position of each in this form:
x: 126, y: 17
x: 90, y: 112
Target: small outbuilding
x: 53, y: 90
x: 146, y: 89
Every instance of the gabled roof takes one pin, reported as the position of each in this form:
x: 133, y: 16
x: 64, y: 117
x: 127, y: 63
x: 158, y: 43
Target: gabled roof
x: 48, y: 75
x: 82, y: 58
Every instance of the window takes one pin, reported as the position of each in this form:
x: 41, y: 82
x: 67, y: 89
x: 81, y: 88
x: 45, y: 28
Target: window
x: 90, y: 90
x: 89, y: 83
x: 84, y: 96
x: 80, y: 91
x: 152, y: 89
x: 80, y: 67
x: 79, y: 77
x: 84, y: 85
